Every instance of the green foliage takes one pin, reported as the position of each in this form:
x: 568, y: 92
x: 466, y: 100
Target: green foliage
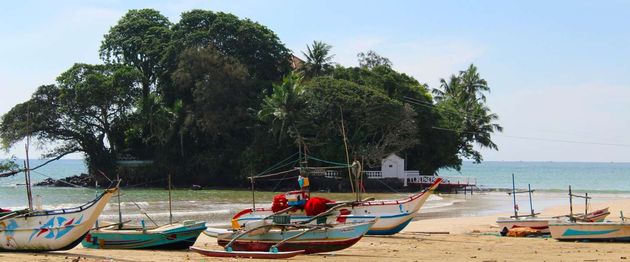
x: 252, y: 44
x: 318, y: 59
x: 216, y: 96
x: 375, y: 124
x: 139, y: 39
x: 371, y: 60
x: 211, y: 99
x: 9, y: 164
x: 461, y: 100
x: 87, y: 111
x: 282, y: 107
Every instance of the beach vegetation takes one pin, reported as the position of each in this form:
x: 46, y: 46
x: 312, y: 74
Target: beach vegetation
x: 213, y: 98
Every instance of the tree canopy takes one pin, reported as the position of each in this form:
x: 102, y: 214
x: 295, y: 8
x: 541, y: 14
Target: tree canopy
x: 213, y: 99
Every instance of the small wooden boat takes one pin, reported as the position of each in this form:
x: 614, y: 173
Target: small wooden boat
x: 50, y: 230
x: 597, y: 231
x: 174, y: 235
x: 246, y: 254
x: 542, y: 223
x: 393, y: 215
x: 307, y: 238
x: 171, y: 236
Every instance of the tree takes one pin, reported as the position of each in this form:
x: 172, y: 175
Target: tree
x: 87, y: 111
x: 461, y: 102
x: 281, y: 108
x: 375, y: 124
x: 371, y: 60
x: 251, y: 44
x: 318, y: 59
x: 215, y: 92
x: 139, y: 39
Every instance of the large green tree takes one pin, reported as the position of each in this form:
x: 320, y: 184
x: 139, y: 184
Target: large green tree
x: 87, y: 111
x: 253, y: 45
x: 216, y: 96
x: 139, y: 39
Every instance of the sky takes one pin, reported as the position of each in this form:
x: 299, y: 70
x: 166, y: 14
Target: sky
x: 558, y: 70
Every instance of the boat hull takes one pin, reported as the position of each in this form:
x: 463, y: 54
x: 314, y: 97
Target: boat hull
x: 321, y: 240
x: 393, y: 215
x: 171, y: 237
x: 51, y: 230
x: 597, y: 231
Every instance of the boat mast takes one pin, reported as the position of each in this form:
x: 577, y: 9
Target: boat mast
x: 170, y: 208
x: 570, y: 204
x: 27, y: 171
x: 514, y: 197
x: 345, y: 144
x: 119, y: 211
x: 531, y: 207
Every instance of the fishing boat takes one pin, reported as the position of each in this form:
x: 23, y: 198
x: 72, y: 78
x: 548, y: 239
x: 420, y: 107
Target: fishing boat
x: 174, y: 235
x: 393, y: 215
x: 541, y: 224
x: 50, y: 230
x: 598, y: 231
x: 171, y: 236
x: 287, y: 240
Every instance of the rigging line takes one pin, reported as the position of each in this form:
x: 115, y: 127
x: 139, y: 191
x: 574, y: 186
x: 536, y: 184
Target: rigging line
x: 273, y: 174
x: 415, y: 100
x: 328, y: 162
x: 538, y: 138
x: 280, y: 164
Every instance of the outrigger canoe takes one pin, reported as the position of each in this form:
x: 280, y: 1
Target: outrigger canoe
x: 393, y: 215
x: 171, y: 236
x: 50, y: 230
x: 542, y: 223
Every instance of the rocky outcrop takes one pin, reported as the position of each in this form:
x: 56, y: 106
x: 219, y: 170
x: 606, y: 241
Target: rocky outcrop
x: 83, y: 180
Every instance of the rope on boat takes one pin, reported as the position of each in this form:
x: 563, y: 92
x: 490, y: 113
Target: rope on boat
x: 274, y: 174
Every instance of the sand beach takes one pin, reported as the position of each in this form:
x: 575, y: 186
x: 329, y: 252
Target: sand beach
x: 461, y: 238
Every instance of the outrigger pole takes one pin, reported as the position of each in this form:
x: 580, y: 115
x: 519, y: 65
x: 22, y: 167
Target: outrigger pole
x: 514, y: 192
x: 586, y: 198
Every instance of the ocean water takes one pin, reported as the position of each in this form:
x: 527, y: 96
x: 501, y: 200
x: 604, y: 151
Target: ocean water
x: 550, y: 176
x: 551, y: 180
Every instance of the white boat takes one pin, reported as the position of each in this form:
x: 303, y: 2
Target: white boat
x: 50, y: 230
x: 598, y: 231
x: 392, y: 215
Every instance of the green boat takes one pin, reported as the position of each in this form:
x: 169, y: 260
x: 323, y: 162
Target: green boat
x: 172, y: 236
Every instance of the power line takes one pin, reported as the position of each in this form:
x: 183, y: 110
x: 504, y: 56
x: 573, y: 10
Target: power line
x: 432, y: 106
x: 538, y: 138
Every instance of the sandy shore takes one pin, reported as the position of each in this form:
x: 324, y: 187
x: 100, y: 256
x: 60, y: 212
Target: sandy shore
x: 468, y: 239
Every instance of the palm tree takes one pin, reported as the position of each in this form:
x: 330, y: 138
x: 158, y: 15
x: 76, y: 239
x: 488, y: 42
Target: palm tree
x: 318, y: 59
x: 282, y: 106
x: 462, y: 103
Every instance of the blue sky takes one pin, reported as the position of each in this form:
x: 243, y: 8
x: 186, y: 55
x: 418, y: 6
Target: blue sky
x: 558, y: 70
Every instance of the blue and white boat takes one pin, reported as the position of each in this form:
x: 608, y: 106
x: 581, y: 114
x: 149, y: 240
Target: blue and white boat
x: 596, y: 231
